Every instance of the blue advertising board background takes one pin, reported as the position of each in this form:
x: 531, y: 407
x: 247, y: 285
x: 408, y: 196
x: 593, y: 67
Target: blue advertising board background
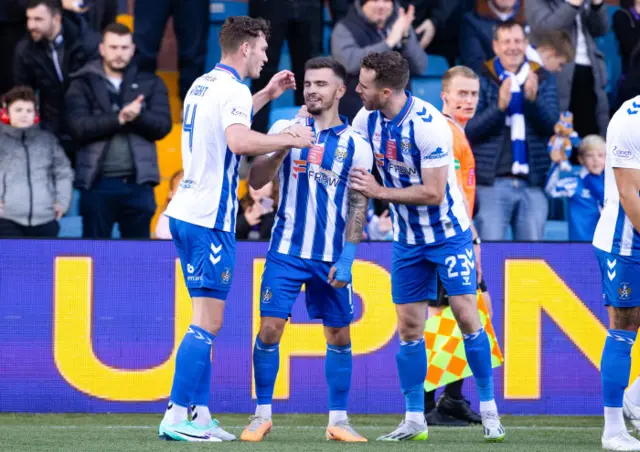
x: 133, y: 298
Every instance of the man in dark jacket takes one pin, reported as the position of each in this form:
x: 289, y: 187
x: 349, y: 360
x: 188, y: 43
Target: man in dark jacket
x: 59, y: 44
x: 116, y: 114
x: 517, y: 111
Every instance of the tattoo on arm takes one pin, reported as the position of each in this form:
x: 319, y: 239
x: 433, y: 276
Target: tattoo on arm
x: 357, y: 216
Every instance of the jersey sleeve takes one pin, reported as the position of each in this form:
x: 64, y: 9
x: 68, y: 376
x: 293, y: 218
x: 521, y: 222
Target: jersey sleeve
x: 435, y: 145
x: 625, y: 154
x: 363, y: 155
x: 360, y: 123
x: 237, y: 107
x: 279, y: 126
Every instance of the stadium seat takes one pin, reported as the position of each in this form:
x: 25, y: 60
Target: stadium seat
x: 436, y: 66
x: 74, y: 207
x: 220, y: 10
x: 556, y: 231
x: 70, y: 227
x: 428, y: 89
x: 282, y: 113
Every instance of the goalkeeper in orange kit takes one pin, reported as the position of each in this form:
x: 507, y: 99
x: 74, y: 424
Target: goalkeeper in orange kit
x: 460, y: 89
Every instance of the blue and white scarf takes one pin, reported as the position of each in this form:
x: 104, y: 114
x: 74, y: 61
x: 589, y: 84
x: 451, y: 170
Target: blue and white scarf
x: 515, y: 115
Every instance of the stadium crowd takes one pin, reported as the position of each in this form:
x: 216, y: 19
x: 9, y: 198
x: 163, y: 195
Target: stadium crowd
x: 84, y: 109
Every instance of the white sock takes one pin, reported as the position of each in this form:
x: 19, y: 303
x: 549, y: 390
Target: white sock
x: 200, y: 415
x: 415, y: 416
x: 263, y: 411
x: 336, y: 416
x: 488, y: 406
x: 613, y: 422
x: 633, y: 392
x: 175, y: 414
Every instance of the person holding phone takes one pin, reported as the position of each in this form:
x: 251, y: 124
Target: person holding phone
x: 257, y: 213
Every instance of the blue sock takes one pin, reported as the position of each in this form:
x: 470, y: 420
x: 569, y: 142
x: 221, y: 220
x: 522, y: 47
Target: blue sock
x: 337, y: 370
x: 616, y: 366
x: 478, y: 351
x: 412, y: 370
x: 193, y: 354
x: 266, y: 361
x: 201, y: 396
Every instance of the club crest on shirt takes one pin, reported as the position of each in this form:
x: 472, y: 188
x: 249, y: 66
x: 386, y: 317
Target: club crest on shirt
x: 405, y: 145
x: 226, y: 276
x: 340, y: 154
x: 624, y: 291
x: 267, y: 295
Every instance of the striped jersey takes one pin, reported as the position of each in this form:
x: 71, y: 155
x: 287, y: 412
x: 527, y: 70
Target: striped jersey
x: 207, y: 195
x: 314, y: 203
x: 418, y: 137
x: 615, y: 233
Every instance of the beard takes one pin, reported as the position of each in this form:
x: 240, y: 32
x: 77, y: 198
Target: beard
x: 117, y: 66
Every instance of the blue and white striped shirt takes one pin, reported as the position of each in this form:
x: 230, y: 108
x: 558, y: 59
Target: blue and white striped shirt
x: 312, y: 215
x: 418, y: 137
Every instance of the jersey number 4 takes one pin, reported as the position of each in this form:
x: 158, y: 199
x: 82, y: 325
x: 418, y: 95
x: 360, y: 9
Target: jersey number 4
x: 189, y: 122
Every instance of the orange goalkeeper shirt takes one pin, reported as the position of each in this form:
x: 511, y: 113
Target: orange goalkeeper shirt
x: 464, y: 162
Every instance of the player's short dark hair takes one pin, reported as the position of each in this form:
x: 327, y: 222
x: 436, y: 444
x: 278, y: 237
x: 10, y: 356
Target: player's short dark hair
x: 558, y: 40
x: 17, y: 93
x: 392, y: 69
x: 239, y: 29
x: 505, y: 26
x: 117, y: 29
x: 457, y: 71
x: 327, y: 63
x: 55, y: 6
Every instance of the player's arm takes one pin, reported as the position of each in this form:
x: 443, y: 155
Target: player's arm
x: 278, y: 84
x: 265, y: 167
x: 340, y: 273
x: 628, y: 182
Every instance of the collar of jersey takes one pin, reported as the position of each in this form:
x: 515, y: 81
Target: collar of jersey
x: 400, y: 117
x: 229, y: 69
x: 337, y: 130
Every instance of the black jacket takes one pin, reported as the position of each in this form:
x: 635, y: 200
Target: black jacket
x: 34, y: 67
x: 92, y: 122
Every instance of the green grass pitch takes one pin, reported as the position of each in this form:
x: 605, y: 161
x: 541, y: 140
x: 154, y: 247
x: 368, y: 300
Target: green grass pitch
x: 291, y: 433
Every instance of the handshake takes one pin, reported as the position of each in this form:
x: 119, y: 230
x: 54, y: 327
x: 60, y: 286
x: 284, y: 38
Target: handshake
x: 301, y: 136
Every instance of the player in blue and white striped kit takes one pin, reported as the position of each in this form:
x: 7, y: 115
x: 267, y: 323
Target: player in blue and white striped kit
x: 617, y: 243
x: 413, y: 149
x: 318, y: 225
x: 216, y: 131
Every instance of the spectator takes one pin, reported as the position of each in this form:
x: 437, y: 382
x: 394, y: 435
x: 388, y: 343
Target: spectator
x: 116, y: 114
x: 35, y: 174
x: 162, y: 227
x: 629, y: 86
x: 97, y: 13
x: 626, y: 26
x: 437, y: 24
x: 476, y: 31
x: 300, y: 24
x: 373, y: 26
x: 584, y: 186
x: 59, y: 44
x: 191, y: 26
x: 582, y: 84
x: 516, y: 115
x: 552, y: 51
x: 257, y: 213
x: 12, y: 24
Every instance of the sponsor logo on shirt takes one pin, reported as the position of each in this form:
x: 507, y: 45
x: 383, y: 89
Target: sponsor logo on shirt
x: 392, y: 151
x: 316, y: 153
x: 324, y: 177
x: 437, y: 154
x: 402, y: 168
x: 299, y: 166
x: 622, y: 153
x: 188, y: 183
x: 238, y: 112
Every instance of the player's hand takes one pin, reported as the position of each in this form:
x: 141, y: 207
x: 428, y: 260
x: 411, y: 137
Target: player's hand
x: 504, y: 95
x: 279, y: 83
x: 531, y: 87
x: 74, y: 5
x: 384, y: 222
x: 364, y: 182
x: 303, y: 112
x: 57, y: 209
x: 301, y: 136
x: 335, y: 281
x: 428, y: 31
x: 476, y: 251
x: 253, y: 214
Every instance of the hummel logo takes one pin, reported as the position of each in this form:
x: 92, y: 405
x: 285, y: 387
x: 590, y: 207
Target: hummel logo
x: 423, y: 115
x: 611, y: 275
x: 216, y: 249
x: 612, y: 264
x: 214, y: 258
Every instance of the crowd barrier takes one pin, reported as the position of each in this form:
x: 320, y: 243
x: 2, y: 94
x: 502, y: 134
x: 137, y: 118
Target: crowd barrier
x: 93, y: 326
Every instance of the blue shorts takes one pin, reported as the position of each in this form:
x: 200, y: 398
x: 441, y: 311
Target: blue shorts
x: 415, y: 269
x: 282, y: 281
x: 620, y: 279
x: 207, y: 257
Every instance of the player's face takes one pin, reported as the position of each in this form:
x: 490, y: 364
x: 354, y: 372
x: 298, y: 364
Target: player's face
x: 322, y: 90
x: 22, y: 114
x: 257, y: 56
x: 510, y: 46
x: 117, y: 51
x: 594, y: 160
x: 461, y: 97
x: 373, y: 97
x: 41, y: 23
